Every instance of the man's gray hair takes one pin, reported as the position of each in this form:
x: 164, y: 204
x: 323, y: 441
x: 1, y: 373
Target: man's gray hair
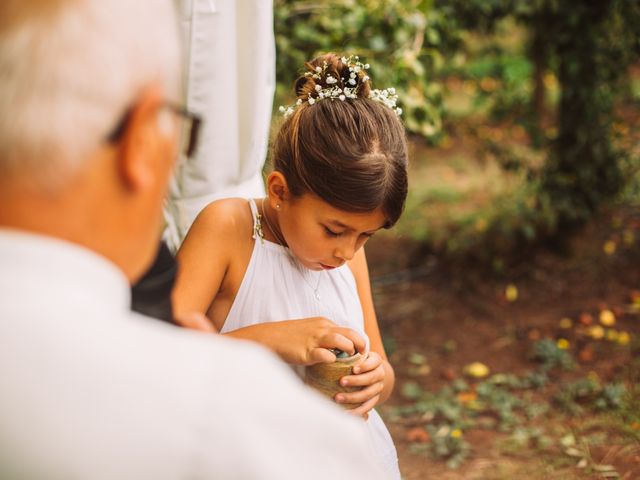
x: 69, y: 69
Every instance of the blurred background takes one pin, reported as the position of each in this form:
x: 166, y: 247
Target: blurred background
x: 509, y: 292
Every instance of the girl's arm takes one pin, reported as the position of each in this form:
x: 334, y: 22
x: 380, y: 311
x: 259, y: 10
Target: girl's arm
x: 203, y: 260
x: 376, y: 373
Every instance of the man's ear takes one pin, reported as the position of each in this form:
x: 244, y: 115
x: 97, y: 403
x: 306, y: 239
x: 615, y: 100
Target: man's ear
x: 277, y: 187
x: 137, y: 150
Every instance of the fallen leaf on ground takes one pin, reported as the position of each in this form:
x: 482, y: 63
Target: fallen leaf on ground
x: 448, y: 373
x: 466, y: 397
x: 417, y: 435
x: 566, y: 323
x: 585, y: 318
x: 596, y: 332
x: 609, y: 247
x: 586, y: 354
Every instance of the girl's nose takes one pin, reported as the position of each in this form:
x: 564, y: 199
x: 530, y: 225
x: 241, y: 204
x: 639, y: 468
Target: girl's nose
x: 346, y: 250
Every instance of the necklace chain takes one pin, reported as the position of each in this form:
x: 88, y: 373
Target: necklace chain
x: 280, y: 240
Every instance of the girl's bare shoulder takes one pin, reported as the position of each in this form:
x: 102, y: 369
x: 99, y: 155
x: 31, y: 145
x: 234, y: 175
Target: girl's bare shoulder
x: 227, y: 220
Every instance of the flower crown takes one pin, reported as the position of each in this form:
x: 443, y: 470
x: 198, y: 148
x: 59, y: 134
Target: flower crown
x: 386, y: 96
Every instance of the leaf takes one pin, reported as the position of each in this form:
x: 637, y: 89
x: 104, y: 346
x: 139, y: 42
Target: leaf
x: 568, y: 440
x: 574, y: 452
x: 411, y: 390
x: 604, y: 468
x: 417, y: 358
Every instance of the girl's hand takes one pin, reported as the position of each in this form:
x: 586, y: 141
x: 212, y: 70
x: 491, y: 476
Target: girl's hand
x: 309, y: 340
x: 305, y: 341
x: 369, y: 374
x: 195, y: 321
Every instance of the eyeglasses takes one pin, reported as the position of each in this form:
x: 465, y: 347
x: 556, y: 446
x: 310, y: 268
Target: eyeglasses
x: 191, y: 128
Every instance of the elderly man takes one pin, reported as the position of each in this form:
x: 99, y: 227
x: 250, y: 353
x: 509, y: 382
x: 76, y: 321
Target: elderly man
x: 90, y: 390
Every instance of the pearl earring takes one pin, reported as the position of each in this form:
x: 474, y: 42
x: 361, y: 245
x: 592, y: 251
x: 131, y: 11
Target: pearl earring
x: 277, y: 205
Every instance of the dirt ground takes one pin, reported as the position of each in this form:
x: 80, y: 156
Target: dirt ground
x: 423, y: 307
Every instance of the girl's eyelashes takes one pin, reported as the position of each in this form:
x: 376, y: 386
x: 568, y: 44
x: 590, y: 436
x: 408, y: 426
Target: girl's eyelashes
x: 331, y: 233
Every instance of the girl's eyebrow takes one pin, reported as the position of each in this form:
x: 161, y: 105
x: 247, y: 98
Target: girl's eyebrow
x: 339, y: 224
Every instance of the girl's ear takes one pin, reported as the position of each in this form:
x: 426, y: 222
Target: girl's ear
x: 277, y: 187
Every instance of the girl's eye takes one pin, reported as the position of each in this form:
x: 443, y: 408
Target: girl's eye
x: 331, y: 233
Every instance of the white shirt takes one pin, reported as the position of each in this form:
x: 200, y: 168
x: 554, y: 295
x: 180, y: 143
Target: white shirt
x: 230, y: 80
x: 90, y: 390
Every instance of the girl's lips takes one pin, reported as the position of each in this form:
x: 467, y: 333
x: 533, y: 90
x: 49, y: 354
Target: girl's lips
x: 327, y: 267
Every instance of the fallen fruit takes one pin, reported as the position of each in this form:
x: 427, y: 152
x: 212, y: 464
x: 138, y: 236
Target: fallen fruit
x: 476, y: 370
x: 607, y: 318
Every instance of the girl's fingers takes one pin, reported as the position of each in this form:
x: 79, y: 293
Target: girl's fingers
x: 370, y: 363
x: 195, y: 321
x: 364, y: 409
x: 355, y: 338
x: 321, y: 355
x: 364, y: 379
x: 339, y: 341
x: 360, y: 396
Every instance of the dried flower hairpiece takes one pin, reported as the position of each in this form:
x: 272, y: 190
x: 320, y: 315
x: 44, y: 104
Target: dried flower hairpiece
x: 386, y: 96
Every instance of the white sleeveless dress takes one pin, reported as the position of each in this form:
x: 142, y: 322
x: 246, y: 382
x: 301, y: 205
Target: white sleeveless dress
x: 277, y: 287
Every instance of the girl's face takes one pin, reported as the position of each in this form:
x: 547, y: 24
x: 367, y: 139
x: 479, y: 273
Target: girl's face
x: 321, y: 236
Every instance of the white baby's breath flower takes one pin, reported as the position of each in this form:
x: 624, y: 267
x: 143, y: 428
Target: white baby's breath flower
x: 387, y: 97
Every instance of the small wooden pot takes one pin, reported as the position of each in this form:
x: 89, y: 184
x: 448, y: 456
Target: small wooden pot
x: 325, y: 377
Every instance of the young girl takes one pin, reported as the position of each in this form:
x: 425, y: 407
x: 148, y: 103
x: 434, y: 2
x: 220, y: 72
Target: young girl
x: 340, y: 175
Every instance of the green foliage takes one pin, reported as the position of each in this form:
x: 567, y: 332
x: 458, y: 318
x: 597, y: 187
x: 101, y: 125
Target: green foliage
x: 591, y: 46
x: 589, y: 393
x: 448, y: 443
x: 418, y: 45
x: 512, y: 404
x: 405, y: 43
x: 550, y: 356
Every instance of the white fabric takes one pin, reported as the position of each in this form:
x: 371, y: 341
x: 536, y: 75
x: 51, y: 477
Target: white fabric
x: 230, y: 80
x: 90, y: 390
x: 277, y: 287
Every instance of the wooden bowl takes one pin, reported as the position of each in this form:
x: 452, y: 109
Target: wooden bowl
x: 325, y: 377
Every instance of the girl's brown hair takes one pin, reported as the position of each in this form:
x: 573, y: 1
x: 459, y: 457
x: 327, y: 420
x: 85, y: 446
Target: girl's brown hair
x: 352, y: 153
